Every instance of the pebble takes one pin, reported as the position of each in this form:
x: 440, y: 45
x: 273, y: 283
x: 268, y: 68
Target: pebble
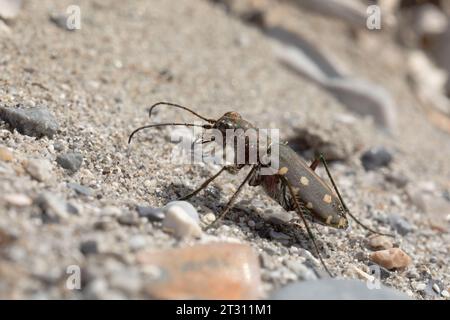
x: 5, y: 154
x: 209, y: 217
x: 391, y: 258
x: 445, y: 294
x: 39, y: 169
x: 436, y: 288
x: 278, y: 235
x: 111, y: 211
x: 53, y: 208
x: 79, y: 189
x: 128, y: 219
x: 34, y: 122
x: 400, y: 224
x: 18, y: 199
x: 378, y: 242
x: 335, y: 289
x: 379, y: 271
x: 181, y: 223
x: 152, y: 214
x: 421, y: 286
x: 376, y: 158
x: 9, y: 9
x: 224, y: 270
x: 137, y: 242
x: 251, y: 223
x: 89, y: 247
x: 71, y: 161
x: 185, y: 206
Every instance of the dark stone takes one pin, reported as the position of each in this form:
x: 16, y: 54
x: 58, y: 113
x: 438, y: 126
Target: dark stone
x: 152, y: 214
x: 71, y: 161
x: 80, y: 189
x: 34, y: 122
x: 376, y: 158
x: 89, y: 247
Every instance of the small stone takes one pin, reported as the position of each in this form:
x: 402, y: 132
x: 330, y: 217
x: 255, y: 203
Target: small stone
x: 251, y: 223
x: 378, y: 242
x: 128, y: 220
x: 436, y: 288
x: 152, y: 214
x: 445, y: 294
x: 5, y: 154
x: 71, y: 161
x: 35, y: 122
x: 79, y: 189
x: 137, y: 242
x: 209, y: 217
x: 391, y: 258
x: 178, y: 221
x: 402, y: 226
x: 421, y: 286
x: 111, y: 211
x: 186, y: 206
x: 18, y: 200
x: 279, y: 235
x: 89, y: 247
x: 9, y: 9
x: 62, y: 20
x: 224, y: 270
x: 376, y: 158
x: 52, y: 207
x: 39, y: 169
x: 360, y: 256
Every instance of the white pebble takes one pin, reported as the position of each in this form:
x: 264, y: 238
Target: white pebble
x: 18, y: 200
x: 421, y: 286
x: 185, y: 206
x: 436, y: 288
x: 178, y: 221
x: 39, y: 169
x: 445, y: 294
x: 209, y: 217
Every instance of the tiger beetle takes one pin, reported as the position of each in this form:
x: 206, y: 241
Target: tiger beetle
x: 295, y: 186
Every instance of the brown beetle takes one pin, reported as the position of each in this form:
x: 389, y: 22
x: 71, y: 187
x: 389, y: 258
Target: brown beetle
x: 295, y: 186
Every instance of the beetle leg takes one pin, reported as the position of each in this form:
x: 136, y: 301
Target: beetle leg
x: 204, y: 184
x: 300, y: 212
x: 233, y: 197
x: 343, y: 203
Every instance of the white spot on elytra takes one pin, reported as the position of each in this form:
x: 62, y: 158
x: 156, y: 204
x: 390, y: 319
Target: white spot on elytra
x: 304, y: 181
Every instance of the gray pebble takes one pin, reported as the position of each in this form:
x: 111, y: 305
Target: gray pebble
x: 302, y: 271
x: 278, y: 235
x: 402, y: 226
x: 89, y: 247
x: 80, y: 189
x: 137, y: 242
x: 53, y: 208
x: 334, y: 289
x: 376, y: 158
x: 35, y: 122
x: 39, y: 169
x: 186, y: 206
x: 71, y: 161
x: 152, y: 214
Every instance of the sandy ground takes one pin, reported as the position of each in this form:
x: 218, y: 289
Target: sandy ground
x: 98, y: 82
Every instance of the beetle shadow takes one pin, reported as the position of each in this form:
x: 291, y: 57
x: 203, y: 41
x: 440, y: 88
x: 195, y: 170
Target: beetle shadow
x: 266, y: 226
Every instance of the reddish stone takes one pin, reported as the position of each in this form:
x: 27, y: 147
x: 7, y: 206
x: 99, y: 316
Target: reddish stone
x: 207, y: 271
x: 393, y: 258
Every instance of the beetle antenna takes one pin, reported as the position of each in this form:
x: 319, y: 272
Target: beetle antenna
x: 204, y: 126
x: 178, y: 106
